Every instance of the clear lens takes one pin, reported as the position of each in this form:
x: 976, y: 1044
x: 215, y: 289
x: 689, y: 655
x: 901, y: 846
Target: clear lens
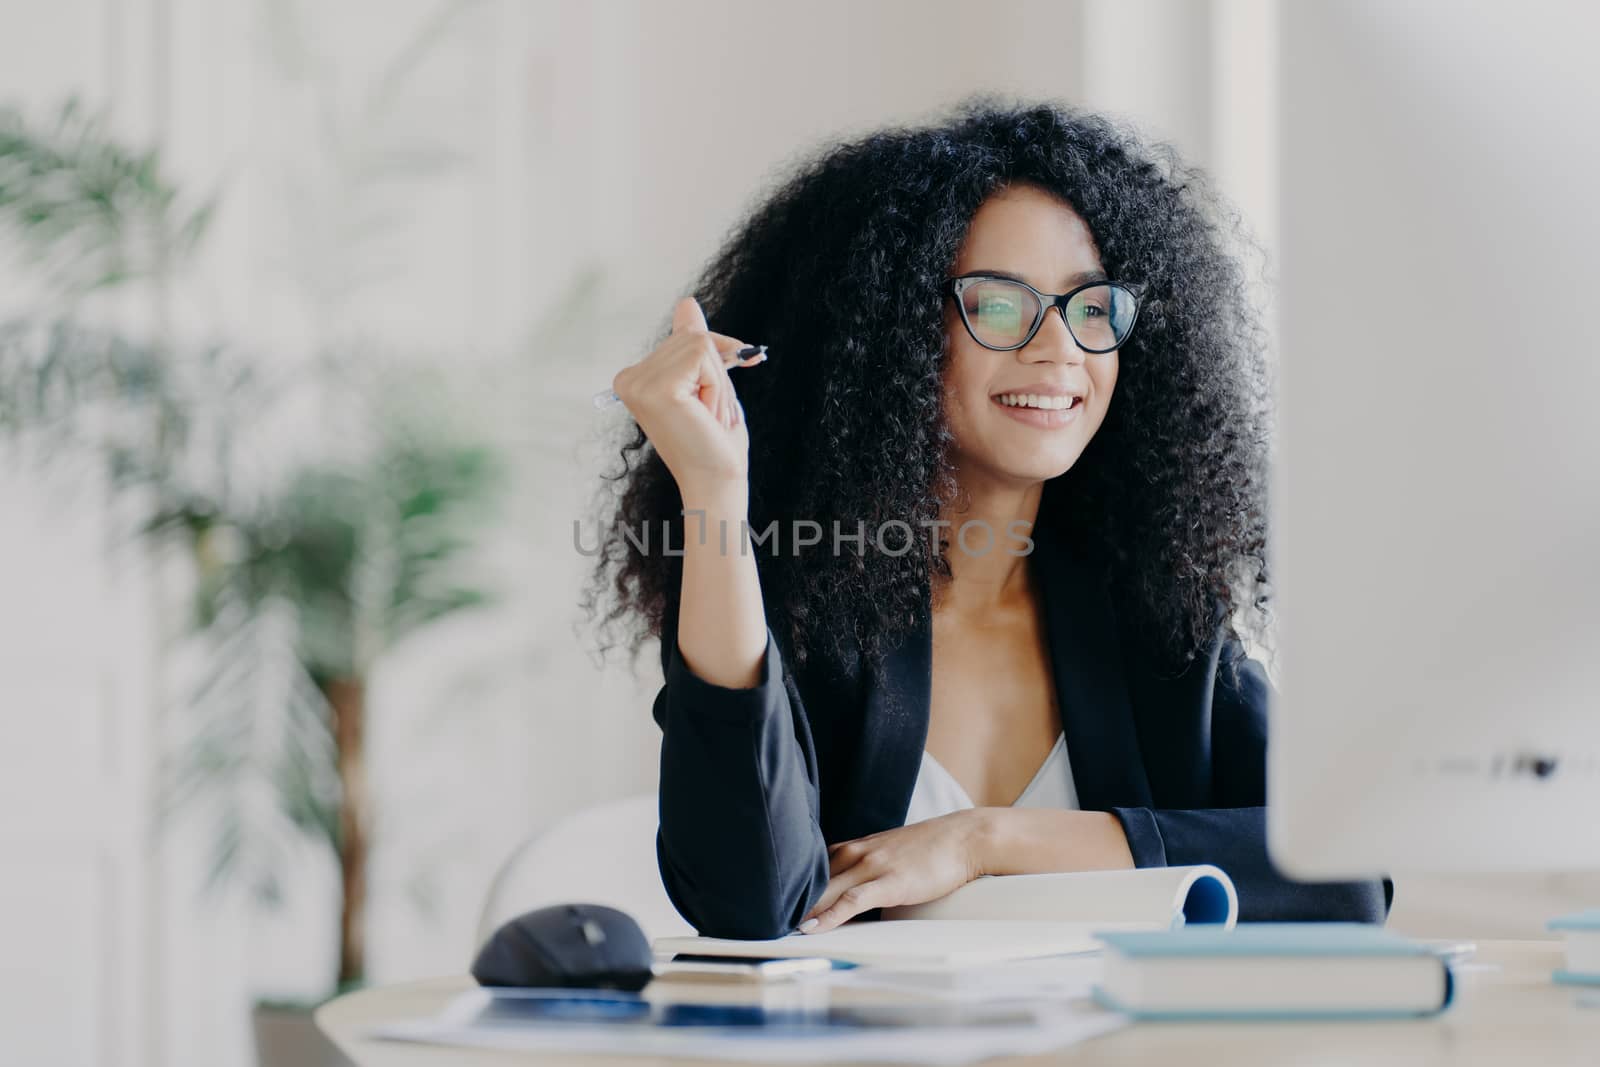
x: 1101, y: 316
x: 1000, y: 312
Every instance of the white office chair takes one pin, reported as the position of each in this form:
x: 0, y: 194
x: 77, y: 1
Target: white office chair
x: 600, y: 855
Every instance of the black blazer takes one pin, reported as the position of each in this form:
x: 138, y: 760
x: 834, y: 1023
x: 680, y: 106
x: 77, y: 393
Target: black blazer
x: 755, y: 783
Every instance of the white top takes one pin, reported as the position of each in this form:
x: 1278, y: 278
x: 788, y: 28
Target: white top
x: 938, y: 793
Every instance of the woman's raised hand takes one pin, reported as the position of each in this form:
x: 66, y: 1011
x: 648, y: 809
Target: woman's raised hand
x: 681, y: 396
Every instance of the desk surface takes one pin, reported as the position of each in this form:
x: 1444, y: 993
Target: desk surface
x: 1507, y: 1011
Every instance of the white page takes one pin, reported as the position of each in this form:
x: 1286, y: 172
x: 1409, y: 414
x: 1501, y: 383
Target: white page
x: 1145, y: 894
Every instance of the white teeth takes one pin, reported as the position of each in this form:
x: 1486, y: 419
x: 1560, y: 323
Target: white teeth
x: 1033, y: 400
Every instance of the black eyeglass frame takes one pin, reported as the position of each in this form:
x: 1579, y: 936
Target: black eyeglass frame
x: 955, y: 286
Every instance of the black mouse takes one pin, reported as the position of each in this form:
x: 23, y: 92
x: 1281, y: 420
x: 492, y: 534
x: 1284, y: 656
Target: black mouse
x: 582, y: 946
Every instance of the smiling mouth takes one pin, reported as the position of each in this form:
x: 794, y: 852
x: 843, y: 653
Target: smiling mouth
x: 1040, y: 412
x: 1040, y: 403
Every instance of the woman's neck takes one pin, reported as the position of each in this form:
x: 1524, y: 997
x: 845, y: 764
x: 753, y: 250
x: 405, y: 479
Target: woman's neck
x: 988, y: 573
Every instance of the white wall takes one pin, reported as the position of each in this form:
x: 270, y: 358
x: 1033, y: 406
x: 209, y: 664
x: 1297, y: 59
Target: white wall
x: 629, y: 135
x: 77, y: 894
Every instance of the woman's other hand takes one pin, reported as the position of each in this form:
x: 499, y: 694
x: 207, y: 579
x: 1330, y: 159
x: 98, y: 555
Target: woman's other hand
x: 682, y: 397
x: 906, y: 865
x: 927, y: 860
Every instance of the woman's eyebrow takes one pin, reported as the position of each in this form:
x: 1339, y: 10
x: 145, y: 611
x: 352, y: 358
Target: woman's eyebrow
x: 1072, y: 281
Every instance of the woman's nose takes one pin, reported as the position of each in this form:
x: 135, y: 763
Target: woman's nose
x: 1053, y: 343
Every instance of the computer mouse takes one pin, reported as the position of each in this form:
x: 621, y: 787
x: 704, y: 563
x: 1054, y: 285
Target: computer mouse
x: 580, y: 946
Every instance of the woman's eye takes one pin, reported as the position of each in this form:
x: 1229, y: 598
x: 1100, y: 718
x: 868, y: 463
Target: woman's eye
x: 999, y: 310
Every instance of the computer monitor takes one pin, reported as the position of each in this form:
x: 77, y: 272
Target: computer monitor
x: 1436, y: 497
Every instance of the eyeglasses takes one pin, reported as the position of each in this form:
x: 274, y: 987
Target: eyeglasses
x: 1004, y: 314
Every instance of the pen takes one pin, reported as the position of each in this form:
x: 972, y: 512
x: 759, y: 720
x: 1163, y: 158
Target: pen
x: 606, y: 397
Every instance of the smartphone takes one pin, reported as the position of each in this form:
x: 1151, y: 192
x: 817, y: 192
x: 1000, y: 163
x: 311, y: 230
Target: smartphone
x: 741, y: 968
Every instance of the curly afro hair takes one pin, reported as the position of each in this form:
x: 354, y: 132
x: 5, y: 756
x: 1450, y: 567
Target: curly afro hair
x: 839, y: 272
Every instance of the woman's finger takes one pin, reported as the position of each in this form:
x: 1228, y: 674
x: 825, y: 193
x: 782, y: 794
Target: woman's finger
x: 838, y: 885
x: 702, y: 367
x: 863, y: 896
x: 687, y: 316
x: 718, y: 373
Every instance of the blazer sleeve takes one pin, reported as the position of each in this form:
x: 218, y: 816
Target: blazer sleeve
x: 1233, y: 835
x: 740, y: 843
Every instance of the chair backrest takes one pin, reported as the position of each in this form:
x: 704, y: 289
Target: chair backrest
x: 605, y: 854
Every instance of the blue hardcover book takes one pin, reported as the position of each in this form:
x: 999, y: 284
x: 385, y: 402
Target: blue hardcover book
x: 1582, y: 934
x: 1272, y: 971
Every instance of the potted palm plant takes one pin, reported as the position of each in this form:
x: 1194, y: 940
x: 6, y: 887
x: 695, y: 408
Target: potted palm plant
x: 298, y: 597
x: 307, y: 588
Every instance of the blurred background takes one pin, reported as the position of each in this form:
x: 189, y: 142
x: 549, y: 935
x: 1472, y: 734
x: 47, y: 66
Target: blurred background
x: 301, y: 309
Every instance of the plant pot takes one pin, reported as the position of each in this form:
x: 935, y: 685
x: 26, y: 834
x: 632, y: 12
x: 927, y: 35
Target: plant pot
x: 287, y: 1036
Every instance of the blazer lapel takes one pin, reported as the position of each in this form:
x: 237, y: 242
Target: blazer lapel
x: 1096, y: 713
x: 894, y: 731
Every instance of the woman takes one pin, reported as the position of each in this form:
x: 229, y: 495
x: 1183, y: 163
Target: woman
x: 1019, y: 329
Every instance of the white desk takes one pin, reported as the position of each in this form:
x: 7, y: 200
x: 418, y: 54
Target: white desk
x: 1506, y: 1013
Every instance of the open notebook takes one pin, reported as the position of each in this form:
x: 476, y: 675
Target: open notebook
x: 1006, y: 917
